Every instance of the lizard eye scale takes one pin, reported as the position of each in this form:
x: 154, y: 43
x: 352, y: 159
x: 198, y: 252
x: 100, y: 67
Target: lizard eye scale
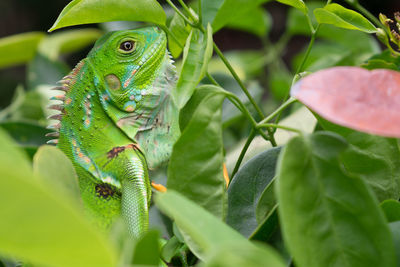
x: 127, y: 46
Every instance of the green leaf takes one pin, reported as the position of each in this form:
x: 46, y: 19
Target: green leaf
x: 51, y: 164
x: 26, y: 134
x: 19, y: 48
x: 44, y: 226
x: 267, y: 202
x: 374, y: 158
x: 246, y: 188
x: 298, y: 4
x: 344, y: 18
x: 222, y: 12
x: 383, y: 60
x: 198, y: 51
x: 328, y: 216
x: 181, y: 32
x: 391, y: 208
x: 94, y: 11
x: 204, y: 233
x: 234, y: 255
x: 395, y: 229
x: 200, y: 176
x: 171, y: 248
x: 256, y: 21
x: 267, y: 227
x: 147, y: 250
x: 67, y: 41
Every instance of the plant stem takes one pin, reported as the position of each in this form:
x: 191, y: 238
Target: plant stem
x: 243, y: 152
x: 278, y: 110
x: 236, y: 77
x: 272, y: 125
x: 180, y: 13
x: 310, y: 45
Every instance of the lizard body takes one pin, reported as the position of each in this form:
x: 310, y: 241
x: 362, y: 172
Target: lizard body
x: 117, y: 119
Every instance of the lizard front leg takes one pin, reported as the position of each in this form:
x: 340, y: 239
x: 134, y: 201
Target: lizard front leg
x: 129, y: 164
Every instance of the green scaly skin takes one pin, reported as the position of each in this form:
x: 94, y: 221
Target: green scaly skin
x: 117, y: 119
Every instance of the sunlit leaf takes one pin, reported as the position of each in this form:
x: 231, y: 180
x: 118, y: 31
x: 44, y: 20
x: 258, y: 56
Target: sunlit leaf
x: 147, y: 250
x: 67, y: 41
x: 344, y: 18
x: 94, y: 11
x: 204, y: 233
x: 52, y: 165
x: 19, y: 48
x: 41, y: 224
x: 327, y: 215
x: 364, y: 100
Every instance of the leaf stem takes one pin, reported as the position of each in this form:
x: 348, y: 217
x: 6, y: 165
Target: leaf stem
x: 273, y: 125
x: 243, y: 152
x: 278, y: 110
x: 181, y: 14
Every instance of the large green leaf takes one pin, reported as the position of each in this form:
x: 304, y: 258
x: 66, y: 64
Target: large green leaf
x: 221, y: 12
x: 67, y: 41
x: 198, y: 51
x: 395, y: 229
x: 147, y: 250
x: 246, y: 189
x: 94, y: 11
x: 391, y: 208
x: 344, y: 18
x: 56, y: 169
x: 40, y: 224
x: 235, y: 255
x: 200, y: 176
x: 256, y: 21
x: 204, y: 233
x: 19, y: 48
x: 374, y: 158
x: 328, y: 217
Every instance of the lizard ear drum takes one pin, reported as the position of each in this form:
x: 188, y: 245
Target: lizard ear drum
x: 113, y: 82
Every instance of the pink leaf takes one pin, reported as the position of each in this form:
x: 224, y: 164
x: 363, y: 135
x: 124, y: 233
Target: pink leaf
x: 367, y: 101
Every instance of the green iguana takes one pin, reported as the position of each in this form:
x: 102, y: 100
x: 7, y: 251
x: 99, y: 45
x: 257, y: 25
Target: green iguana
x: 117, y: 120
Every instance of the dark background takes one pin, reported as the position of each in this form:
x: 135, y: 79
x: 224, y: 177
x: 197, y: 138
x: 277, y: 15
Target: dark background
x: 18, y: 16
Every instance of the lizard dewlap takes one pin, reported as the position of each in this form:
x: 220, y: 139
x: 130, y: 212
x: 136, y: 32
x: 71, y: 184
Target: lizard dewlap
x: 117, y: 120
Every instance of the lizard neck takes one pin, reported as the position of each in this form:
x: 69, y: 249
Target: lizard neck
x: 86, y: 131
x: 154, y: 124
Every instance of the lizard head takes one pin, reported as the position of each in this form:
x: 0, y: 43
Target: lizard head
x: 127, y: 62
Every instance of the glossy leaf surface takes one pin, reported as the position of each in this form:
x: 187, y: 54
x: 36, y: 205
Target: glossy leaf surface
x: 364, y: 100
x: 94, y: 11
x: 246, y: 189
x: 344, y: 18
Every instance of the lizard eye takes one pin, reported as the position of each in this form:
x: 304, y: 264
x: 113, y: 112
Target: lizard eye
x: 127, y: 46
